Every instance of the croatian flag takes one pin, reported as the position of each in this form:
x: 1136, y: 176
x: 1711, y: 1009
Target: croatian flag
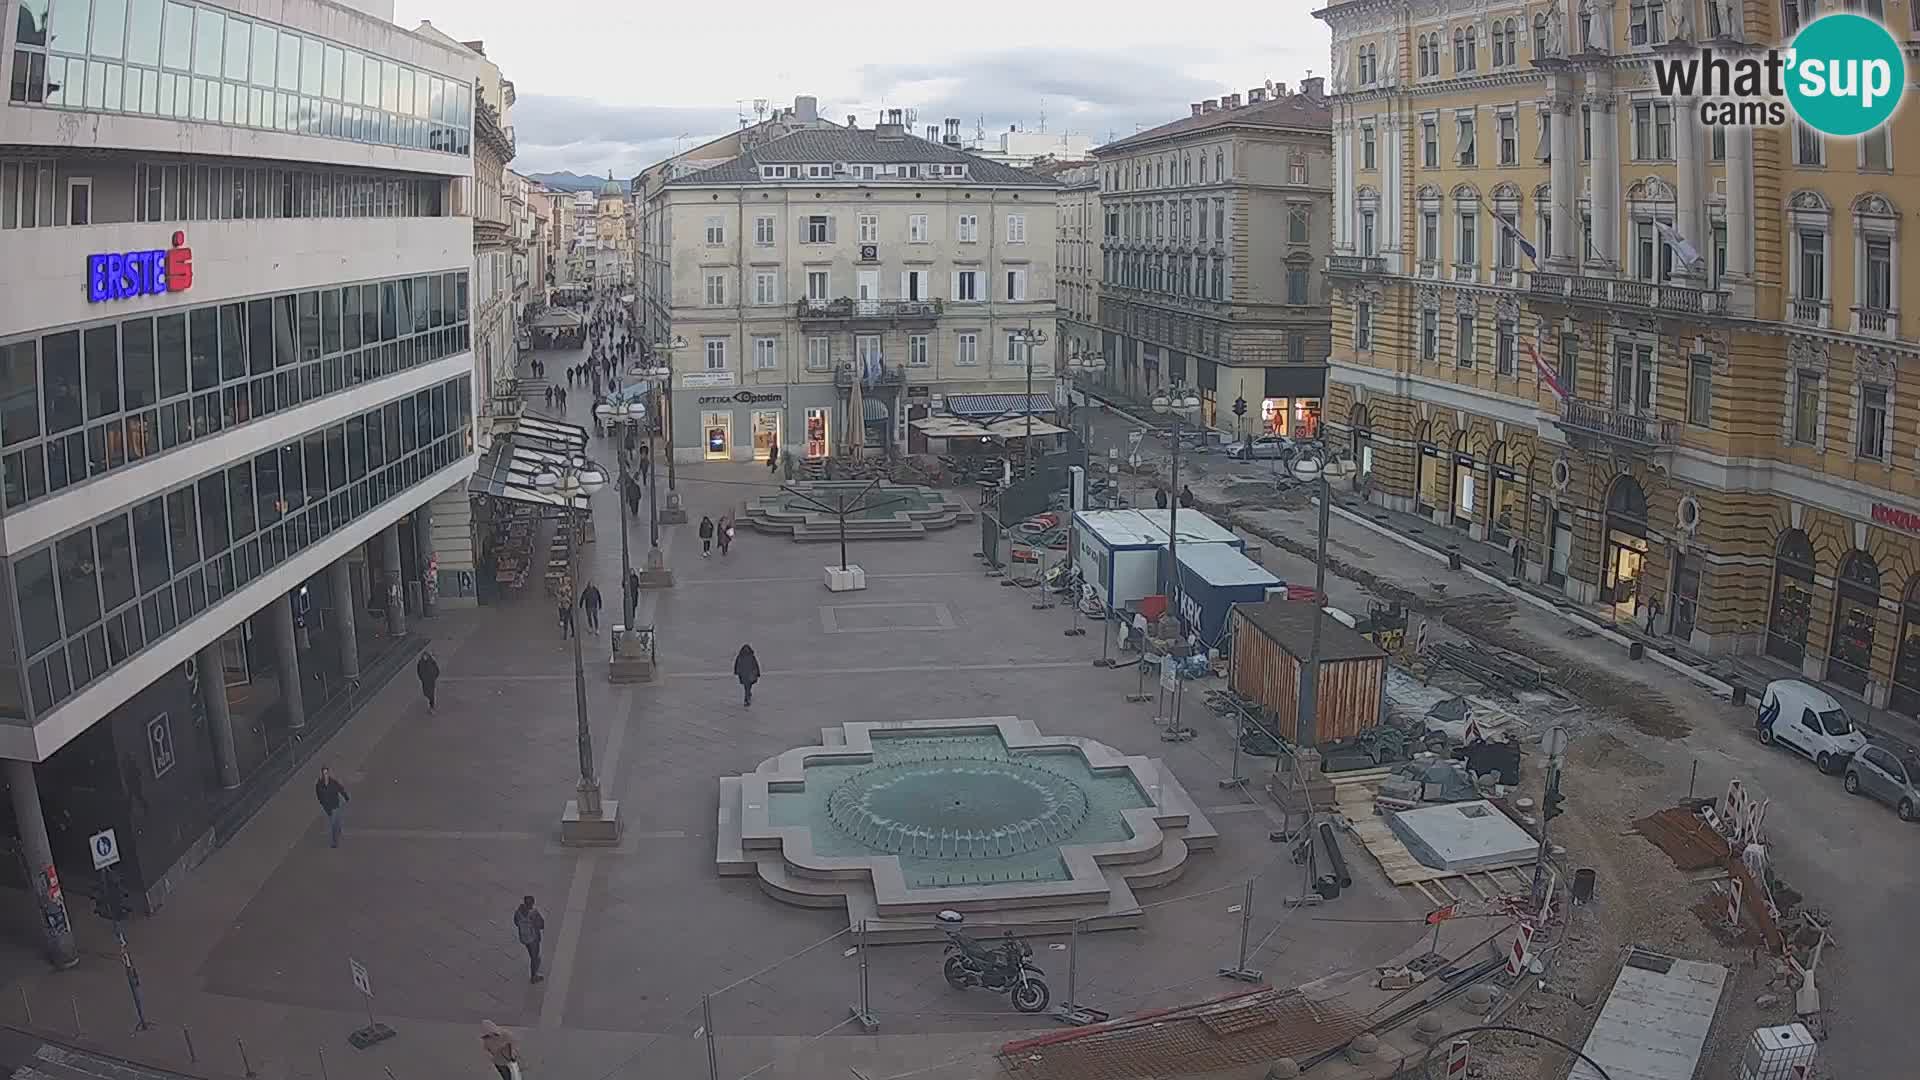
x: 1546, y: 373
x: 1683, y: 248
x: 1519, y: 241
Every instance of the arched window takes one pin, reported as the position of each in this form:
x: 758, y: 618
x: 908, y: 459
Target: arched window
x: 1856, y: 618
x: 1187, y: 170
x: 1792, y: 607
x: 1203, y: 168
x: 1459, y: 51
x: 1473, y: 63
x: 1540, y: 36
x: 1498, y: 44
x: 1219, y: 167
x: 1420, y: 55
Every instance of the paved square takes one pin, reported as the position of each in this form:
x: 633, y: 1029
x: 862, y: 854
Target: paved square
x: 884, y: 618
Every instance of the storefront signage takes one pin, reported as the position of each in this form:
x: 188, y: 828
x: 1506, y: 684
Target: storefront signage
x: 1429, y: 451
x: 1895, y: 518
x: 125, y: 275
x: 1463, y: 459
x: 1505, y: 473
x: 744, y: 397
x: 707, y: 378
x: 919, y: 391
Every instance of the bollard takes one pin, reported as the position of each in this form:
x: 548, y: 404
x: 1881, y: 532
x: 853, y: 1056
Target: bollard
x: 863, y: 1008
x: 706, y: 1025
x: 26, y: 1005
x: 79, y: 1032
x: 245, y: 1065
x: 1240, y: 970
x: 1071, y: 1011
x: 322, y: 1052
x: 192, y: 1054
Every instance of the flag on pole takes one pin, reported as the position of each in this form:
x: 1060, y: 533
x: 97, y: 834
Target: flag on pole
x: 1546, y: 373
x: 1519, y: 241
x: 1683, y: 249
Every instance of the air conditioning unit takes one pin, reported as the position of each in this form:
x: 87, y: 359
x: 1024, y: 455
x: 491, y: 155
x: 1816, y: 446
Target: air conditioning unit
x: 839, y: 166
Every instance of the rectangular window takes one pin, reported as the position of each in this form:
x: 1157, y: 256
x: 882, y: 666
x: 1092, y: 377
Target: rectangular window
x: 1464, y: 140
x: 1429, y: 335
x: 966, y: 351
x: 716, y: 232
x: 763, y: 230
x: 968, y: 228
x: 917, y: 228
x: 819, y: 229
x: 917, y: 350
x: 1463, y: 341
x: 1509, y: 140
x: 766, y: 355
x: 819, y: 354
x: 1806, y: 407
x: 764, y: 291
x: 1296, y: 286
x: 1813, y: 265
x: 869, y: 228
x: 1016, y: 228
x: 1429, y: 144
x: 1366, y: 147
x: 1016, y: 285
x: 1503, y: 348
x: 1874, y: 155
x: 1299, y: 223
x: 1871, y: 440
x: 716, y: 290
x: 966, y: 285
x: 1363, y: 325
x: 1699, y: 391
x: 716, y: 350
x: 1877, y: 291
x: 1808, y: 147
x: 1296, y: 347
x: 817, y: 285
x: 79, y: 200
x: 1468, y: 253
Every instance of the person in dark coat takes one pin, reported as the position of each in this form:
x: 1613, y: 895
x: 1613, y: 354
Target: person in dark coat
x: 333, y: 795
x: 746, y: 668
x: 773, y: 459
x: 1160, y: 498
x: 706, y: 537
x: 590, y: 602
x: 429, y: 671
x: 632, y: 596
x: 1186, y: 497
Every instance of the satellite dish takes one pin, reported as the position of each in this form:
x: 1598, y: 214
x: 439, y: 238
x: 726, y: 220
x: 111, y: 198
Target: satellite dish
x: 1269, y: 86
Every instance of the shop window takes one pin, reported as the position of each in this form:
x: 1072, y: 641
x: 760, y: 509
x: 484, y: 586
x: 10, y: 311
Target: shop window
x: 1904, y: 696
x: 1791, y: 610
x: 1855, y: 619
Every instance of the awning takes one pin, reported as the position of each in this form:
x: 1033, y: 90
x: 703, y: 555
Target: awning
x: 1016, y: 427
x: 873, y: 409
x: 988, y: 406
x: 948, y: 427
x: 507, y: 471
x: 552, y: 436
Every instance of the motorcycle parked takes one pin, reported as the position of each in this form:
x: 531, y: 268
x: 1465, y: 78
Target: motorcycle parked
x: 1006, y: 968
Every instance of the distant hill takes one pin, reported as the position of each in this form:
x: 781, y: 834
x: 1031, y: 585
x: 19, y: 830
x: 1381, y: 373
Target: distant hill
x: 572, y: 181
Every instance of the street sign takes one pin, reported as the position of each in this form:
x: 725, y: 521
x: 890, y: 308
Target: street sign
x: 361, y: 981
x: 1554, y: 743
x: 105, y: 848
x: 1169, y: 675
x: 1522, y: 950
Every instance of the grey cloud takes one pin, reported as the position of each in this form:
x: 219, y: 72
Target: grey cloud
x: 592, y: 137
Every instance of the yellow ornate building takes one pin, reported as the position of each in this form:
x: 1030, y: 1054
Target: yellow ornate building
x: 1721, y: 308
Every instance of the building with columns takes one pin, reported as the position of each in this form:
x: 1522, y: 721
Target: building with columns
x: 1716, y: 420
x: 1214, y: 241
x: 235, y: 367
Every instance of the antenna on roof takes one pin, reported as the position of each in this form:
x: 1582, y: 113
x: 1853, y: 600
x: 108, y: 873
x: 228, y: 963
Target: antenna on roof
x: 760, y: 108
x: 1043, y: 114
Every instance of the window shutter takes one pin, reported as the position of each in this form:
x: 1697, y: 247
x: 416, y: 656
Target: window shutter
x: 831, y: 238
x: 905, y: 292
x: 800, y: 235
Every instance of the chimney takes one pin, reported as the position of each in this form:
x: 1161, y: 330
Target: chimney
x: 892, y: 127
x: 1279, y: 90
x: 852, y: 121
x: 1314, y: 87
x: 953, y: 131
x: 807, y: 108
x: 933, y: 133
x: 1256, y: 95
x: 1196, y: 108
x: 1209, y: 105
x: 1231, y: 101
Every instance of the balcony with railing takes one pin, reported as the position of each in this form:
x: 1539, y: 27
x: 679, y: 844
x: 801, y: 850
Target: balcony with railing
x: 1356, y: 265
x: 1808, y: 311
x: 1875, y: 321
x: 1505, y: 276
x: 1466, y: 271
x: 877, y: 312
x: 1619, y: 292
x: 886, y: 377
x: 1590, y: 422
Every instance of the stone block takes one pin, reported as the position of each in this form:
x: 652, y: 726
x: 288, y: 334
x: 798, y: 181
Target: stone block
x: 851, y: 579
x: 602, y: 831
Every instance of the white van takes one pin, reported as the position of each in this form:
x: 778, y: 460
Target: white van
x: 1807, y: 719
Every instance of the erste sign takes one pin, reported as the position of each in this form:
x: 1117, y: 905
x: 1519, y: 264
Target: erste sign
x: 125, y: 275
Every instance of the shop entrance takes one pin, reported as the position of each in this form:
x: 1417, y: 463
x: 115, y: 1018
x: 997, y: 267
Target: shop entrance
x: 1430, y: 486
x: 1905, y: 693
x: 1855, y: 621
x: 1465, y: 485
x: 819, y: 430
x: 1561, y: 549
x: 1360, y: 426
x: 1506, y: 496
x: 1686, y: 595
x: 766, y: 432
x: 1792, y: 607
x: 718, y: 429
x: 1626, y: 546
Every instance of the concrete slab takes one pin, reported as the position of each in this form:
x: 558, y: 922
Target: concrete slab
x: 1462, y: 836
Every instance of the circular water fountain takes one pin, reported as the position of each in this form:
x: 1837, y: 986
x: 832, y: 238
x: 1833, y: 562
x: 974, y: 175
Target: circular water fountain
x: 954, y: 808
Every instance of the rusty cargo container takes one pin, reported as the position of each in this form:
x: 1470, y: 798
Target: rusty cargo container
x: 1271, y: 642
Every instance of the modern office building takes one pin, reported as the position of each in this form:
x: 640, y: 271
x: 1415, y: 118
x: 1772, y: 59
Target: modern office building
x: 1211, y: 274
x: 1716, y: 418
x: 834, y: 284
x: 235, y: 367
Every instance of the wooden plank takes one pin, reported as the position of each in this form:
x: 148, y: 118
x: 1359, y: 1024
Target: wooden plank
x: 1442, y: 884
x: 1431, y: 899
x: 1475, y: 886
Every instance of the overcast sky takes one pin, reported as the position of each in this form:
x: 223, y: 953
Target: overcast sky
x: 618, y: 86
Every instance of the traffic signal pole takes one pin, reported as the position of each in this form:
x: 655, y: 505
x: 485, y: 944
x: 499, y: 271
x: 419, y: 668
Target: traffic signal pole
x: 1555, y: 744
x: 111, y: 904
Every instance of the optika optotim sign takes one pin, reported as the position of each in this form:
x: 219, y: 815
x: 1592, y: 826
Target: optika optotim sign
x: 1842, y: 75
x: 125, y: 275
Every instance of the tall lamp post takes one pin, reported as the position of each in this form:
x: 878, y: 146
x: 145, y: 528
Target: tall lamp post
x: 1080, y: 364
x: 674, y: 514
x: 1177, y: 403
x: 1309, y: 463
x: 656, y: 575
x: 586, y: 821
x: 1028, y: 339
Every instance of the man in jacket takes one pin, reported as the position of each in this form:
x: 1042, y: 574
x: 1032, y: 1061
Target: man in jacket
x: 528, y: 926
x: 429, y: 671
x: 333, y: 801
x: 590, y: 601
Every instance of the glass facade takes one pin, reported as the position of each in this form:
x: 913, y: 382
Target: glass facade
x: 85, y: 400
x: 194, y: 192
x: 192, y: 62
x: 100, y: 594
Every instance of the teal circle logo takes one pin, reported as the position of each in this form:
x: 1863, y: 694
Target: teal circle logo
x: 1846, y: 75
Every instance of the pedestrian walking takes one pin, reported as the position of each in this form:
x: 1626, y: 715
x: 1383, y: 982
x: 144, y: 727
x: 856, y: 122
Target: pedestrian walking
x: 549, y: 397
x: 773, y: 460
x: 1653, y: 612
x: 529, y: 925
x: 633, y: 594
x: 429, y: 671
x: 333, y: 800
x: 746, y: 668
x: 590, y: 600
x: 1186, y: 497
x: 1160, y: 498
x: 566, y: 617
x: 500, y: 1050
x: 726, y: 533
x: 706, y: 537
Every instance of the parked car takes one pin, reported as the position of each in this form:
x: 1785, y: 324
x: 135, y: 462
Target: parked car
x: 1264, y: 448
x: 1890, y: 772
x: 1807, y: 719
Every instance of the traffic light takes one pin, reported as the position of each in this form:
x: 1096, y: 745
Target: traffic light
x: 1239, y: 406
x: 1550, y: 806
x: 110, y: 899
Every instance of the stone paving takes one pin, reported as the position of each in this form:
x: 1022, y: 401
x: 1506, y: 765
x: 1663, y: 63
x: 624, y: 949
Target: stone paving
x: 454, y: 817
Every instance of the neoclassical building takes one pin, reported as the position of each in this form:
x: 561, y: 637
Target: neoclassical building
x: 1715, y: 418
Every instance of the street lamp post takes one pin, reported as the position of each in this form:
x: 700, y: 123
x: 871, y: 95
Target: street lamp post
x: 1312, y: 466
x: 656, y: 575
x: 1177, y: 402
x: 586, y: 821
x: 1028, y: 339
x: 1080, y: 364
x: 674, y: 514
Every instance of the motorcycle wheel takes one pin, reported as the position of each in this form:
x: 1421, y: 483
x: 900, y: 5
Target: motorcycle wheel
x: 1031, y: 995
x: 955, y: 970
